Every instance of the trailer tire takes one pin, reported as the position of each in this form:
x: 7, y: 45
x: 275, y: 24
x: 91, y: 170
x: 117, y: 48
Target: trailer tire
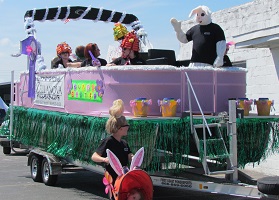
x: 7, y: 150
x: 48, y: 179
x: 269, y: 185
x: 36, y: 168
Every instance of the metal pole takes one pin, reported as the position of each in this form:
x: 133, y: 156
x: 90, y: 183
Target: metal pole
x: 233, y: 140
x: 190, y: 103
x: 204, y: 149
x: 11, y: 108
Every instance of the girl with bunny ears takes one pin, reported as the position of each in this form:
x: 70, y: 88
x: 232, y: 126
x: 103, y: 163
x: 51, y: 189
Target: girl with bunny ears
x: 118, y: 127
x: 122, y: 183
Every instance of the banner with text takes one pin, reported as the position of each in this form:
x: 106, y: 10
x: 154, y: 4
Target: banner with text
x: 50, y: 90
x: 87, y: 90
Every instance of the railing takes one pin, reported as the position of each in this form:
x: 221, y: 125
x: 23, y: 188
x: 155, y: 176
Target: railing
x: 190, y: 88
x: 231, y: 129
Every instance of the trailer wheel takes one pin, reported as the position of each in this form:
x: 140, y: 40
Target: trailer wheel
x: 269, y: 185
x: 7, y: 150
x: 36, y: 168
x: 47, y: 178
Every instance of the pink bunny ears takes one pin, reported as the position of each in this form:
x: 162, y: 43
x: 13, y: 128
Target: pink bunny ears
x: 116, y: 165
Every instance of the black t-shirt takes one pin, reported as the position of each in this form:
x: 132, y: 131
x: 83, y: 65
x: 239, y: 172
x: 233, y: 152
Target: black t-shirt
x: 227, y: 61
x: 204, y: 39
x: 56, y: 64
x: 134, y: 61
x: 120, y: 149
x: 88, y: 62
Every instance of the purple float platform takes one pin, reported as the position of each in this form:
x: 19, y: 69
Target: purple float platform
x: 91, y: 91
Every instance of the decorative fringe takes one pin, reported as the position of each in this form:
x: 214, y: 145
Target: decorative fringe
x: 215, y: 148
x: 77, y: 137
x: 257, y: 138
x: 5, y: 126
x: 4, y: 129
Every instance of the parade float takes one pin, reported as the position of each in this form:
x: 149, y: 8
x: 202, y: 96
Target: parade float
x: 186, y: 119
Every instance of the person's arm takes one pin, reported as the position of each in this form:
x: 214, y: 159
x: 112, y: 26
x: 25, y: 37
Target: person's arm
x: 220, y: 50
x: 181, y: 36
x: 130, y: 156
x: 114, y: 62
x: 102, y: 61
x: 99, y: 159
x: 54, y: 65
x: 74, y: 64
x: 110, y: 64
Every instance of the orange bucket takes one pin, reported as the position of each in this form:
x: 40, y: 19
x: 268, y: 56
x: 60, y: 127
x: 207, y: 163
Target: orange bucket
x: 168, y: 107
x: 140, y: 107
x: 245, y: 104
x: 264, y: 106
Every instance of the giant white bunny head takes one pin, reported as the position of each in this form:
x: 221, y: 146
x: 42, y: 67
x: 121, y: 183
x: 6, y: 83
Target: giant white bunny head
x: 202, y: 15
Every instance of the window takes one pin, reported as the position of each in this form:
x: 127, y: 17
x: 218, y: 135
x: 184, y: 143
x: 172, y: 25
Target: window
x: 239, y: 64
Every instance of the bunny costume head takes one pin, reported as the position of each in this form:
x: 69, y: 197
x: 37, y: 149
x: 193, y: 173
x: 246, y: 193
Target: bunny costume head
x: 202, y: 15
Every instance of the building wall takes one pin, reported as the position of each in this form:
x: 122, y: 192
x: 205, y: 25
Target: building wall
x: 248, y: 24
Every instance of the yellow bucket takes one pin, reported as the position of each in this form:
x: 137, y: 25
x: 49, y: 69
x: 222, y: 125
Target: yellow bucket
x: 168, y: 107
x: 140, y: 107
x: 245, y: 104
x: 264, y: 106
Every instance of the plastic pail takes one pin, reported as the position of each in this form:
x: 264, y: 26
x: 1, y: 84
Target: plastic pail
x: 245, y: 104
x: 140, y: 107
x: 168, y: 107
x: 263, y: 106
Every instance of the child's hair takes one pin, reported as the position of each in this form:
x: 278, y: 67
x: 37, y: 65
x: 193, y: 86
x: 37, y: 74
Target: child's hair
x: 136, y: 190
x: 117, y: 108
x: 116, y: 119
x: 80, y: 51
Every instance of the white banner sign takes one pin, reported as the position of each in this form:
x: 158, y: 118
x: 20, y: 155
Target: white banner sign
x: 49, y: 90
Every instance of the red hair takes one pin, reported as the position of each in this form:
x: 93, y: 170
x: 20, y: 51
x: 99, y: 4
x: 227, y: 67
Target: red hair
x: 90, y: 47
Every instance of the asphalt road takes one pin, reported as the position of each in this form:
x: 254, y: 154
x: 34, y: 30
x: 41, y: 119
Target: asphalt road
x: 16, y: 183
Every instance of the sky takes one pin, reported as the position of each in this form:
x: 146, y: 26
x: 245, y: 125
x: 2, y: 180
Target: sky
x: 154, y: 15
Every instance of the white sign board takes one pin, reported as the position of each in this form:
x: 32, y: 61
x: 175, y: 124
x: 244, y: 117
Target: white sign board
x: 49, y: 90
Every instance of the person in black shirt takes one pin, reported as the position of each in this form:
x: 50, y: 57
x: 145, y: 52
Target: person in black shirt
x: 130, y: 51
x: 63, y: 51
x: 208, y: 39
x: 92, y: 53
x: 117, y: 126
x: 63, y: 60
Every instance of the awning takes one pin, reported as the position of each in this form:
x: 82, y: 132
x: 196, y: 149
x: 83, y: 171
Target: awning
x: 262, y: 38
x: 79, y: 12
